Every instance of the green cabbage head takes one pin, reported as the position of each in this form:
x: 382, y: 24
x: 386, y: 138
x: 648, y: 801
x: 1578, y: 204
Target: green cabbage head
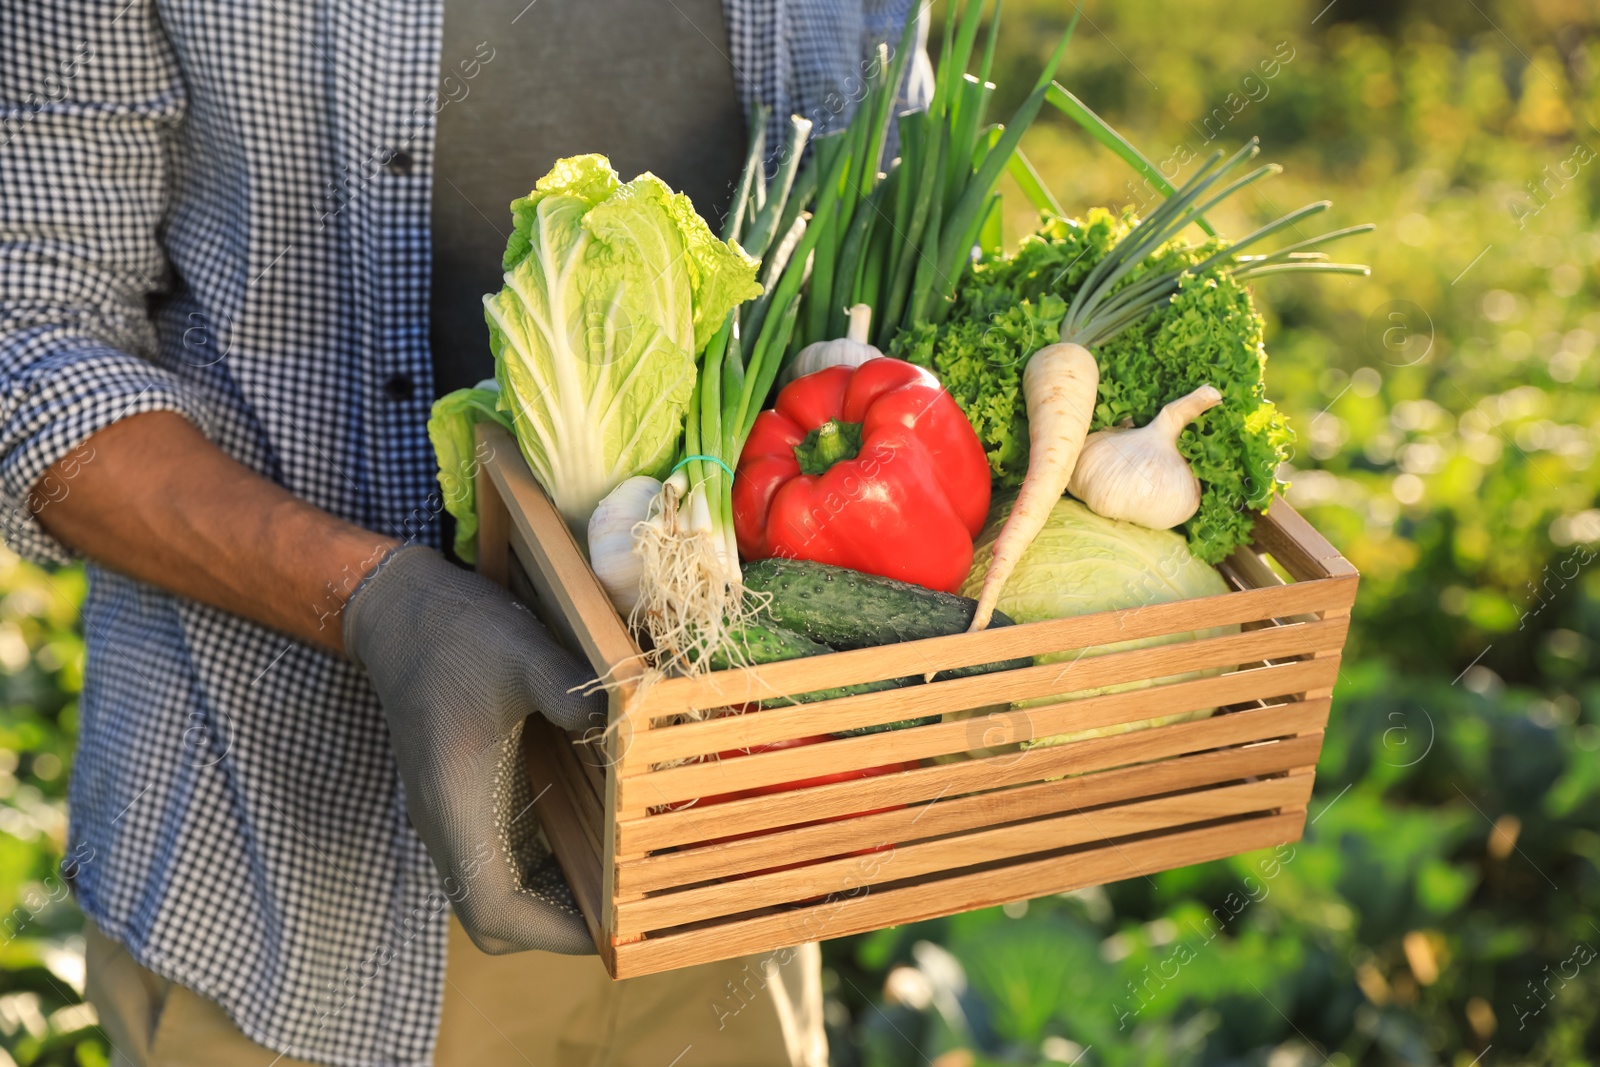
x: 1082, y: 563
x: 610, y: 291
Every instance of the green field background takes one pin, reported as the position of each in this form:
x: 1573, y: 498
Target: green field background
x: 1443, y: 906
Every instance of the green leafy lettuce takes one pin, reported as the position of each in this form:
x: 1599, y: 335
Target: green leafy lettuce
x: 1011, y: 306
x: 611, y: 289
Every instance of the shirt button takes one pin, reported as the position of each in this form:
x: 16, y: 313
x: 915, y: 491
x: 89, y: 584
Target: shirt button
x: 399, y: 163
x: 399, y: 387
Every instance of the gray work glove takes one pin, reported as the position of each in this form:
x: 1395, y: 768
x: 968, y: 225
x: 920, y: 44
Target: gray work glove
x: 458, y: 666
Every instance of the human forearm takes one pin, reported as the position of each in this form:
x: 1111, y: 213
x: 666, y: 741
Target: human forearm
x: 159, y: 502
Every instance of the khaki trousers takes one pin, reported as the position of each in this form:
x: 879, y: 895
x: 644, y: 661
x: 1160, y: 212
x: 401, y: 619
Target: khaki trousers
x: 530, y: 1008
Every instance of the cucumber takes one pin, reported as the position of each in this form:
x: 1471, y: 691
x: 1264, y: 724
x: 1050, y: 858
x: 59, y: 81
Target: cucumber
x: 763, y: 644
x: 773, y: 644
x: 846, y: 609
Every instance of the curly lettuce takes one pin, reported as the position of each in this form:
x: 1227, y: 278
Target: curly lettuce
x: 1209, y: 332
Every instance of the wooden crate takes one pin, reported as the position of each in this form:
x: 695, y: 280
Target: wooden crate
x: 665, y: 888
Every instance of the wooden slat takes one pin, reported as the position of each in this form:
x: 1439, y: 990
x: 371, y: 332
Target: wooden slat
x: 719, y: 688
x: 550, y: 773
x: 727, y: 734
x: 588, y: 766
x: 564, y: 827
x: 555, y: 564
x: 589, y: 806
x: 900, y: 861
x: 946, y: 896
x: 1296, y: 544
x: 617, y: 742
x: 947, y: 815
x: 955, y: 779
x: 494, y: 521
x: 719, y: 776
x: 1254, y: 573
x: 592, y: 759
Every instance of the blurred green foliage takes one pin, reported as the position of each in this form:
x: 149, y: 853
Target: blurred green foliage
x: 1444, y: 903
x: 1442, y: 908
x: 42, y: 1017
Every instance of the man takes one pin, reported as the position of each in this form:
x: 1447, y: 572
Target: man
x: 222, y: 321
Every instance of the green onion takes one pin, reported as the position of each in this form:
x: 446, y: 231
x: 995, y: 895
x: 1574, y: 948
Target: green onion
x: 1100, y: 309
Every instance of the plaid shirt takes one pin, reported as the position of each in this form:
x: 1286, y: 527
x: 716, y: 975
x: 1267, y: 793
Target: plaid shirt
x: 222, y: 210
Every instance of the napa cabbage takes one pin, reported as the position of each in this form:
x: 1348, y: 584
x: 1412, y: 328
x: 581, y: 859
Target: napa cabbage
x: 611, y: 289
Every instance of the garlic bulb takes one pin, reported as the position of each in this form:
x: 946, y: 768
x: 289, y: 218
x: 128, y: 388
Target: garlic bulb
x: 611, y: 539
x: 1138, y: 475
x: 851, y: 350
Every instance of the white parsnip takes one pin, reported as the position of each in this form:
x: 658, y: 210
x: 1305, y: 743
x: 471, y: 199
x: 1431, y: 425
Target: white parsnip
x: 1059, y: 384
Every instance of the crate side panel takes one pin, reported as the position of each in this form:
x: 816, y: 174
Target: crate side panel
x: 911, y: 658
x: 561, y: 814
x: 589, y: 806
x: 1296, y: 544
x: 764, y: 726
x: 494, y: 520
x: 954, y: 814
x: 899, y: 861
x: 721, y: 776
x: 947, y: 896
x: 702, y: 823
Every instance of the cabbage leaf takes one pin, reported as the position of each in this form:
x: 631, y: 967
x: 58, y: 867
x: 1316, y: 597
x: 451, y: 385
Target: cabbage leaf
x: 452, y: 427
x: 1082, y: 563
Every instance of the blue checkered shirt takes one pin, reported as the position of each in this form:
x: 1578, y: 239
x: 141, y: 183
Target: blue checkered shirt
x: 198, y: 213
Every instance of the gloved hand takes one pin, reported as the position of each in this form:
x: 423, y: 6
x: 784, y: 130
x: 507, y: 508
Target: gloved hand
x: 458, y: 665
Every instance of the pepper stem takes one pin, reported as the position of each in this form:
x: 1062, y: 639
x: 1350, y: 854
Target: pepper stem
x: 832, y: 442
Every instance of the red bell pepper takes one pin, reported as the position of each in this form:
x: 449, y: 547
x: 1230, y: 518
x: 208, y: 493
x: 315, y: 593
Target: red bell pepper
x: 874, y: 468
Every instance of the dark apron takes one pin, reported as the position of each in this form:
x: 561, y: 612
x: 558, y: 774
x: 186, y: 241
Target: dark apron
x: 647, y: 83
